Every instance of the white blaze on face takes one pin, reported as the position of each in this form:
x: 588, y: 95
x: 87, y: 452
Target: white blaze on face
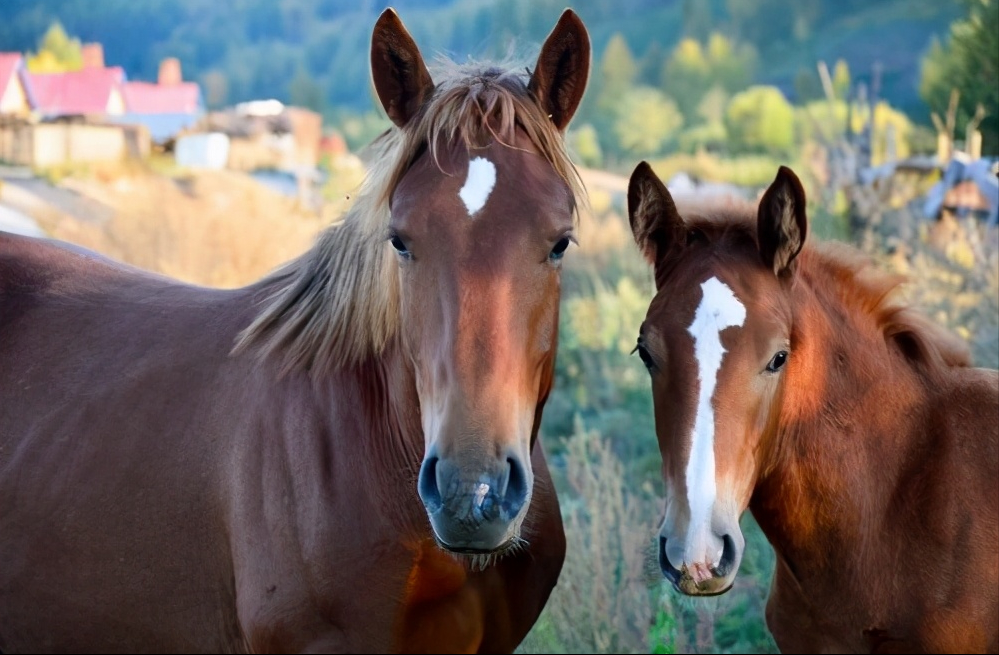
x: 718, y: 310
x: 478, y: 185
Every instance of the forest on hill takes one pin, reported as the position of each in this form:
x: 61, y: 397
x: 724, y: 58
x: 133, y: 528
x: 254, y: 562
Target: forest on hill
x: 314, y: 52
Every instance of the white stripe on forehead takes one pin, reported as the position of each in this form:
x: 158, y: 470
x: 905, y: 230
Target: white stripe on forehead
x: 718, y: 310
x: 478, y: 185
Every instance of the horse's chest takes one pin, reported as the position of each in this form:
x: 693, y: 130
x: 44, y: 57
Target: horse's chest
x: 439, y: 606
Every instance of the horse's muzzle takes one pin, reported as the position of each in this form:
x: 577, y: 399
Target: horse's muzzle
x: 474, y: 509
x: 687, y: 581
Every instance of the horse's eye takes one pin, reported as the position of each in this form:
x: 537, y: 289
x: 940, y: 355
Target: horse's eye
x: 777, y: 362
x: 559, y: 250
x: 644, y: 356
x: 400, y: 247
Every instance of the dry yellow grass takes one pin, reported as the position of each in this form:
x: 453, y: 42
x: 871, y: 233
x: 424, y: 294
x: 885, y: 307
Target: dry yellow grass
x: 218, y: 229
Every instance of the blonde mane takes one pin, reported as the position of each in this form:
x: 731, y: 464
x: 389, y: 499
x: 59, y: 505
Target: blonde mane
x: 338, y: 303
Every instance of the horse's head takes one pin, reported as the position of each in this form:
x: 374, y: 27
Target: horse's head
x: 480, y: 218
x: 716, y: 340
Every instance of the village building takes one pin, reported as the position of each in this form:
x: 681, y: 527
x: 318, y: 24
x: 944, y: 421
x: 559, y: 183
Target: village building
x: 14, y: 92
x: 166, y: 107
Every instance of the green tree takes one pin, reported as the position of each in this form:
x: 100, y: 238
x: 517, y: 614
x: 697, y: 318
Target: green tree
x: 760, y: 119
x: 841, y: 80
x: 697, y: 19
x: 711, y: 109
x: 303, y: 91
x: 585, y: 143
x: 216, y: 88
x: 692, y: 69
x: 646, y: 120
x: 650, y: 66
x: 618, y: 71
x: 686, y: 74
x: 57, y: 52
x: 968, y: 62
x: 807, y: 86
x: 731, y: 65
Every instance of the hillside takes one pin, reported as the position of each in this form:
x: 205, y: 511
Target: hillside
x: 315, y: 51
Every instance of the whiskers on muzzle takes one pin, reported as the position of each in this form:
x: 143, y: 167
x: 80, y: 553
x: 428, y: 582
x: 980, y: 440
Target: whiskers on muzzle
x: 477, y: 561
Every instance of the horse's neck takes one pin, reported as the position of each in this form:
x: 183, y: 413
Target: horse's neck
x: 387, y: 386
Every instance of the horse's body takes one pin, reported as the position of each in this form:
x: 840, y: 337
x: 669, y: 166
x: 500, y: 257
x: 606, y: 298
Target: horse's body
x: 161, y: 492
x: 854, y: 429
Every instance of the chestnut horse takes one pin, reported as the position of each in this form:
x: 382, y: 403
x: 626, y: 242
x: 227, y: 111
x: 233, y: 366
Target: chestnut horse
x: 341, y: 457
x: 789, y: 379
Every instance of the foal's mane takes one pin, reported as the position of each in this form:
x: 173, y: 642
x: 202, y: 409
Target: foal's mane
x: 338, y: 302
x: 842, y: 276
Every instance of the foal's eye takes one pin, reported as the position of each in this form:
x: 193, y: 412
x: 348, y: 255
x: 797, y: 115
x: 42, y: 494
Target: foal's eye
x: 400, y: 247
x: 777, y: 362
x: 559, y: 250
x: 644, y: 355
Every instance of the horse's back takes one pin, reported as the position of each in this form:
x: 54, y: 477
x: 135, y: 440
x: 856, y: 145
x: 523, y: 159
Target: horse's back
x: 107, y: 462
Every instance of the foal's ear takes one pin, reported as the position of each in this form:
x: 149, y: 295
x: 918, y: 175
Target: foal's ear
x: 655, y: 222
x: 563, y: 68
x: 401, y: 78
x: 781, y: 223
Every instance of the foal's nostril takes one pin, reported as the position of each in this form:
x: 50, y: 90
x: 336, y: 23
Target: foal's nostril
x: 427, y: 486
x: 728, y: 557
x: 669, y: 571
x: 516, y: 486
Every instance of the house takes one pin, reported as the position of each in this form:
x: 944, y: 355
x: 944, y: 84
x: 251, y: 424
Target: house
x: 268, y: 134
x: 66, y: 115
x: 969, y: 187
x: 15, y: 95
x: 85, y: 92
x: 167, y: 107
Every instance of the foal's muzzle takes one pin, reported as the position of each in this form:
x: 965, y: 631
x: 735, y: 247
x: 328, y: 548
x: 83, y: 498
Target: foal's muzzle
x: 475, y: 507
x: 704, y: 580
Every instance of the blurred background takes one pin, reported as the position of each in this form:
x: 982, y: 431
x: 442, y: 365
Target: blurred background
x: 212, y: 141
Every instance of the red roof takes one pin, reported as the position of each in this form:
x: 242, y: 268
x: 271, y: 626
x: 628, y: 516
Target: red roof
x: 85, y: 91
x: 147, y: 98
x: 10, y: 63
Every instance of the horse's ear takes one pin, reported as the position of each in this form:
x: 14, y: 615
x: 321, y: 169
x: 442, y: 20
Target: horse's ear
x: 401, y: 79
x: 563, y: 68
x: 655, y: 222
x: 781, y: 223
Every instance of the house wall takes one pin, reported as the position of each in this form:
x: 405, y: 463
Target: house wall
x: 13, y: 100
x: 116, y: 103
x: 52, y: 144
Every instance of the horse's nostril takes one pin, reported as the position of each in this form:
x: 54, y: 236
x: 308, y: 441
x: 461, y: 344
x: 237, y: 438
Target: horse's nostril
x: 516, y: 486
x: 728, y: 557
x: 669, y: 571
x: 427, y: 486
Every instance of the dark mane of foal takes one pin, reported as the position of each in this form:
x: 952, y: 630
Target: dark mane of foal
x: 842, y: 276
x: 338, y: 303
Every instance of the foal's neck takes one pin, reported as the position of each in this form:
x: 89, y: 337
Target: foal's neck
x: 832, y: 488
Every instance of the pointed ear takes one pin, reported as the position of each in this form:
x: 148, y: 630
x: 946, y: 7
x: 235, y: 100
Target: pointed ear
x: 563, y: 68
x: 401, y: 78
x: 781, y: 223
x: 655, y: 222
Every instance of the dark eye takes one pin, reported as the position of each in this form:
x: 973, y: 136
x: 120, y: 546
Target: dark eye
x: 559, y: 250
x: 777, y: 362
x: 400, y: 247
x: 644, y: 355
